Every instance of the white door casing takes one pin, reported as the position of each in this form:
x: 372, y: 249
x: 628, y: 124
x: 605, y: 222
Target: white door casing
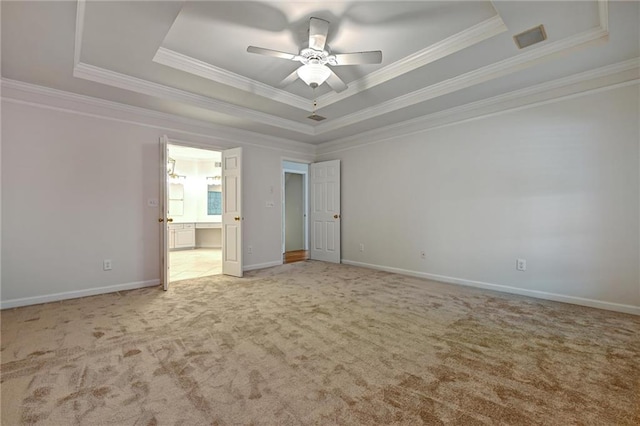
x: 305, y: 189
x: 325, y: 211
x: 164, y: 209
x: 232, y: 212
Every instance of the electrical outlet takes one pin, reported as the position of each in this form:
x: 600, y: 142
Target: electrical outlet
x: 361, y: 247
x: 250, y: 250
x: 521, y: 264
x: 106, y: 265
x: 423, y: 255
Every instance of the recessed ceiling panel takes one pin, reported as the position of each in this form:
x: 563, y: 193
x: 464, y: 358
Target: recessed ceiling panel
x: 189, y: 58
x: 218, y: 33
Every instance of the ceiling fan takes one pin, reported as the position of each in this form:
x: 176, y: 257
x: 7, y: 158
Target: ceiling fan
x: 317, y: 56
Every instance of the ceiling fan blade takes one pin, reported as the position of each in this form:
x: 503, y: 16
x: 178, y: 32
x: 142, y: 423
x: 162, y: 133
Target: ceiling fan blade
x: 318, y: 29
x: 289, y: 79
x: 371, y: 57
x: 336, y: 83
x: 270, y: 52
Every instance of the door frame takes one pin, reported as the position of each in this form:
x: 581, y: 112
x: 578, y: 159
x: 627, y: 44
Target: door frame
x: 305, y: 195
x: 164, y: 202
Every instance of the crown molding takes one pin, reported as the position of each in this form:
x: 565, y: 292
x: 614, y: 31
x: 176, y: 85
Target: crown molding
x: 77, y: 47
x: 461, y: 40
x: 467, y: 38
x: 194, y: 66
x: 45, y: 97
x: 603, y: 14
x: 127, y: 82
x: 604, y: 78
x: 471, y: 78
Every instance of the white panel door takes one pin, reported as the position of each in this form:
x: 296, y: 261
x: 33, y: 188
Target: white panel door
x: 324, y: 209
x: 164, y: 209
x: 232, y: 212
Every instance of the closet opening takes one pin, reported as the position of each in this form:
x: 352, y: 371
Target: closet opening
x: 295, y: 234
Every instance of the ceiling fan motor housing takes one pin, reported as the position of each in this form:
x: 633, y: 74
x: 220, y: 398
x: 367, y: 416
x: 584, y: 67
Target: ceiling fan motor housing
x: 309, y: 55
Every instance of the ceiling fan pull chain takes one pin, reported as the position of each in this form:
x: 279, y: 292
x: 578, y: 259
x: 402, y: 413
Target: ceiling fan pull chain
x: 315, y: 102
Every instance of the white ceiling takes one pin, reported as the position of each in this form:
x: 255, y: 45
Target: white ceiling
x: 190, y: 59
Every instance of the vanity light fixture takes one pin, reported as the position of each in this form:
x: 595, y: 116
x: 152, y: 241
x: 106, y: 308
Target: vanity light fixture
x: 214, y: 180
x: 171, y: 167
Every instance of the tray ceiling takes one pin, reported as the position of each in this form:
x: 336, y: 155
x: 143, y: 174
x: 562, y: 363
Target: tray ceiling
x: 189, y: 58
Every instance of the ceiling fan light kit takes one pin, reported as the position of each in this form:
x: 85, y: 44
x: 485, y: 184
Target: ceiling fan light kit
x: 314, y: 74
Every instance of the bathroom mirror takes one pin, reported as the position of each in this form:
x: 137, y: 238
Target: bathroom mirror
x: 176, y: 199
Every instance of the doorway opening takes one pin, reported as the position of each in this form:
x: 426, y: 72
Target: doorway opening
x: 295, y: 228
x: 194, y: 211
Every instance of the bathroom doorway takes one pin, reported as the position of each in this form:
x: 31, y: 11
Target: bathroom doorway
x: 195, y: 212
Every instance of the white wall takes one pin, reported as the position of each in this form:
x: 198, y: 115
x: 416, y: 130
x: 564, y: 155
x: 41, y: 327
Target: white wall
x: 555, y: 184
x: 75, y: 191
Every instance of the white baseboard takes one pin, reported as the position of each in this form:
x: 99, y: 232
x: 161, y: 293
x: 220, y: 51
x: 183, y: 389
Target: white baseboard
x: 35, y: 300
x: 262, y: 265
x: 610, y: 306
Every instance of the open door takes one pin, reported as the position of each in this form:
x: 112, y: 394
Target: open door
x: 232, y: 212
x: 325, y: 211
x: 164, y: 213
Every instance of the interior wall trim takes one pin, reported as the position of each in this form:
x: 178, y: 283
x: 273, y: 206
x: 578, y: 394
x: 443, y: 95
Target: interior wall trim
x: 466, y: 38
x: 36, y: 300
x: 605, y: 78
x: 468, y: 79
x: 45, y: 97
x: 450, y: 45
x: 592, y: 303
x: 603, y: 14
x: 77, y: 47
x: 479, y: 32
x: 203, y: 69
x: 134, y: 84
x: 261, y: 265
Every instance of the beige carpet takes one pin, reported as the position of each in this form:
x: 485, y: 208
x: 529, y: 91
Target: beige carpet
x: 316, y: 343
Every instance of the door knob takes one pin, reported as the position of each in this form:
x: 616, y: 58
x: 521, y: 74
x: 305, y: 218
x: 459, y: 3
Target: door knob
x: 170, y: 220
x: 161, y: 220
x: 336, y: 216
x: 237, y: 218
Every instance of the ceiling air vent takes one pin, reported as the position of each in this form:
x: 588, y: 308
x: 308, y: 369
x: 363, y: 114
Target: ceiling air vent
x: 317, y: 117
x: 529, y: 37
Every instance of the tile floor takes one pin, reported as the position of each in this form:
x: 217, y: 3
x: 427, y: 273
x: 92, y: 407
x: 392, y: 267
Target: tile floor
x: 201, y: 262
